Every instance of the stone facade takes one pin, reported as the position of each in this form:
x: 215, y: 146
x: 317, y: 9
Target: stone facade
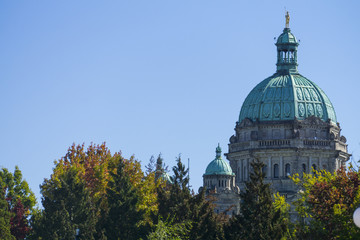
x: 219, y: 181
x: 223, y: 192
x: 286, y: 148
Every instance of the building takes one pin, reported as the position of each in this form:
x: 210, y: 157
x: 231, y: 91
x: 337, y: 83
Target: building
x: 219, y: 180
x: 288, y: 123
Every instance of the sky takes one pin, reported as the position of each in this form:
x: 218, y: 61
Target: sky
x: 157, y: 76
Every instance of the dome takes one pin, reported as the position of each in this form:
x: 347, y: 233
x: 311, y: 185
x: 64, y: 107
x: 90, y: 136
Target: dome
x: 218, y: 166
x: 286, y: 37
x: 287, y: 95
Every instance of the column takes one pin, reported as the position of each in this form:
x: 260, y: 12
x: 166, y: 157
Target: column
x: 281, y: 170
x: 269, y: 167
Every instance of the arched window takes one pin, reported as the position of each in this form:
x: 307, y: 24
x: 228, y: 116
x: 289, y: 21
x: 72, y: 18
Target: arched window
x: 276, y: 171
x: 287, y: 170
x: 314, y: 168
x: 264, y: 170
x: 304, y: 168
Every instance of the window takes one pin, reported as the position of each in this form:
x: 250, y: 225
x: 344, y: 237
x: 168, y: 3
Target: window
x: 304, y: 168
x: 276, y: 171
x: 287, y: 170
x: 264, y: 170
x: 314, y: 168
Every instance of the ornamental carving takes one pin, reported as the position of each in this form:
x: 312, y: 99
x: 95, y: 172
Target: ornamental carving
x: 310, y: 109
x: 269, y: 94
x: 277, y: 110
x: 287, y: 110
x: 299, y: 93
x: 319, y: 110
x: 266, y: 111
x: 306, y: 93
x: 286, y: 93
x: 314, y: 95
x: 233, y: 139
x: 301, y: 109
x: 313, y: 120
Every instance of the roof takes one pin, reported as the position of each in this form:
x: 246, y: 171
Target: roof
x: 286, y: 37
x: 218, y: 166
x: 287, y: 95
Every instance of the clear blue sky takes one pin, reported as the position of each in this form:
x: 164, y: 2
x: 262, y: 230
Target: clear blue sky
x: 157, y: 76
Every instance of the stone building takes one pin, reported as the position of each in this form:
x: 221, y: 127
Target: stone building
x: 288, y: 123
x: 219, y: 181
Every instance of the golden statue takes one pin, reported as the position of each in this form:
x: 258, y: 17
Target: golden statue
x: 287, y: 17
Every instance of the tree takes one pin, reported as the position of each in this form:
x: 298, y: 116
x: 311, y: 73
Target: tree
x: 20, y: 200
x: 5, y: 216
x: 258, y: 218
x: 169, y: 231
x: 94, y: 165
x: 206, y: 224
x: 326, y: 204
x: 67, y: 207
x: 174, y: 199
x: 176, y: 202
x: 19, y: 223
x: 123, y: 217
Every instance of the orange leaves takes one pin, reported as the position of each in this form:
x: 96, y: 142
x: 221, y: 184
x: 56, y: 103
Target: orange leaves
x: 94, y: 164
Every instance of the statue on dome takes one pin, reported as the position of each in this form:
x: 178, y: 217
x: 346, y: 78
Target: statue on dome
x: 287, y: 17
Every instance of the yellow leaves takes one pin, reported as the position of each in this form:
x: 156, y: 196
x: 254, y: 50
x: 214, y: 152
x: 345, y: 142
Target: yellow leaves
x: 280, y: 203
x: 94, y: 164
x: 339, y: 209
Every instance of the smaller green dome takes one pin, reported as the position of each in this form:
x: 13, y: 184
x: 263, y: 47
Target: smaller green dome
x: 218, y: 166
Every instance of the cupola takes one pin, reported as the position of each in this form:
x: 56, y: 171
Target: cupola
x: 287, y: 95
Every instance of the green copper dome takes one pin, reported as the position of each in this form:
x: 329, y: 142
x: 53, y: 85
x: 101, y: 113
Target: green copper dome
x: 218, y: 166
x: 287, y: 95
x: 286, y: 37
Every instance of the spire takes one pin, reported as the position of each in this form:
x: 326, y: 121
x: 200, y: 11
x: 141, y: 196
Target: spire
x: 218, y: 151
x: 287, y: 50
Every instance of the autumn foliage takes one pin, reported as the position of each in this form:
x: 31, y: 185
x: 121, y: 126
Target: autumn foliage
x: 326, y: 204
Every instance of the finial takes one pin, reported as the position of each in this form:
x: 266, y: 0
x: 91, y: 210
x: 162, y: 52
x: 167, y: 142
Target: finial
x: 218, y: 151
x: 287, y: 18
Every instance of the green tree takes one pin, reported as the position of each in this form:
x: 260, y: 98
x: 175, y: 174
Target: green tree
x: 206, y: 224
x: 174, y: 200
x: 169, y: 231
x: 5, y: 216
x: 123, y: 218
x: 258, y: 218
x: 67, y: 207
x: 178, y: 203
x: 326, y: 204
x: 20, y: 199
x: 94, y: 165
